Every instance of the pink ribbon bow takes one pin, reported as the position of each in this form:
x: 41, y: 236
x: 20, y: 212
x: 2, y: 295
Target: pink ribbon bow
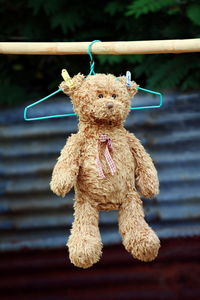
x: 104, y: 138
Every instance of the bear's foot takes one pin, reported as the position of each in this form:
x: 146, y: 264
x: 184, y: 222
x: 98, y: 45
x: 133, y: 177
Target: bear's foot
x: 143, y: 244
x: 84, y: 250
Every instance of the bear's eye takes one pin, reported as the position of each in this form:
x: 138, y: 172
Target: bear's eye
x: 100, y: 95
x: 114, y: 96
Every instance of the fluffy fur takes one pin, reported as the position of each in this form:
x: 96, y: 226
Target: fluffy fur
x: 76, y: 167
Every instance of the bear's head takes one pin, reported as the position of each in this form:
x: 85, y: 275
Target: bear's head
x: 100, y: 98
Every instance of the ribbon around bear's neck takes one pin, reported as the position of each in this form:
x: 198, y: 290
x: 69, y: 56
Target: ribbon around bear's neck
x: 70, y: 84
x: 105, y: 140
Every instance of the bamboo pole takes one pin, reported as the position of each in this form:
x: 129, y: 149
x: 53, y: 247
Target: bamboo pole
x: 128, y: 47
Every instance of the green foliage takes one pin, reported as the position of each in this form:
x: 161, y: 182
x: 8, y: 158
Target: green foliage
x: 8, y: 97
x: 114, y: 7
x: 172, y: 71
x: 193, y: 12
x: 22, y: 78
x: 141, y: 7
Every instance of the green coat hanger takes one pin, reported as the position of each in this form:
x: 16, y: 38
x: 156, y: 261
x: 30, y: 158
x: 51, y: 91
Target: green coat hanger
x: 92, y: 72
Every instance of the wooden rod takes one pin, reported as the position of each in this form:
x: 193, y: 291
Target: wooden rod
x: 128, y: 47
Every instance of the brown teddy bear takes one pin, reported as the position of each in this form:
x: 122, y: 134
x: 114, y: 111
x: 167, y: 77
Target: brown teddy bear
x: 108, y: 168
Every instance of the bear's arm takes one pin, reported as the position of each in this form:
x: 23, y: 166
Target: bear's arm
x: 67, y: 167
x: 145, y: 172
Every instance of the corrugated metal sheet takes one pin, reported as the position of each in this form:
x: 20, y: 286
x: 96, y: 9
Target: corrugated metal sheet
x: 32, y: 217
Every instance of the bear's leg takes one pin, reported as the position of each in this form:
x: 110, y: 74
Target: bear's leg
x: 85, y: 247
x: 138, y: 238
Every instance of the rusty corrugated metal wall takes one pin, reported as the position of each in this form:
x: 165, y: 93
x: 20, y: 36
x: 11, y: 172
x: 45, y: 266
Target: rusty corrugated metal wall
x: 48, y: 275
x: 32, y: 218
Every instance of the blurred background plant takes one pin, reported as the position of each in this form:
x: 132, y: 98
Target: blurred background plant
x: 25, y: 77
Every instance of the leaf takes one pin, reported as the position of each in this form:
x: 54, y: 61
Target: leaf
x: 141, y: 7
x: 66, y: 20
x: 18, y: 94
x: 174, y: 10
x: 114, y: 59
x: 173, y: 73
x: 35, y: 5
x: 193, y: 13
x: 114, y: 7
x: 110, y: 59
x: 52, y: 6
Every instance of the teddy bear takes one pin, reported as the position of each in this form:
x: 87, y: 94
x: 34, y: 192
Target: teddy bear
x: 108, y: 168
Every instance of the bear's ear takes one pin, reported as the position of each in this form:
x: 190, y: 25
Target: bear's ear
x: 132, y: 89
x: 77, y: 82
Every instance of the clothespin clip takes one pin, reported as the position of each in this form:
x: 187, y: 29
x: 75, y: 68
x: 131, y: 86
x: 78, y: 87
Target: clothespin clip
x: 67, y: 78
x: 128, y: 78
x: 128, y: 83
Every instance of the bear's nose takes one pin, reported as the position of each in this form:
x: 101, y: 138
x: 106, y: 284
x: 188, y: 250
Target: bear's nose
x: 109, y: 105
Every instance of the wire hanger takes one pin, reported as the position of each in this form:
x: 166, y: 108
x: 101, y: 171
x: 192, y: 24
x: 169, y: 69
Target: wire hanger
x: 128, y: 83
x: 92, y: 63
x: 92, y: 72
